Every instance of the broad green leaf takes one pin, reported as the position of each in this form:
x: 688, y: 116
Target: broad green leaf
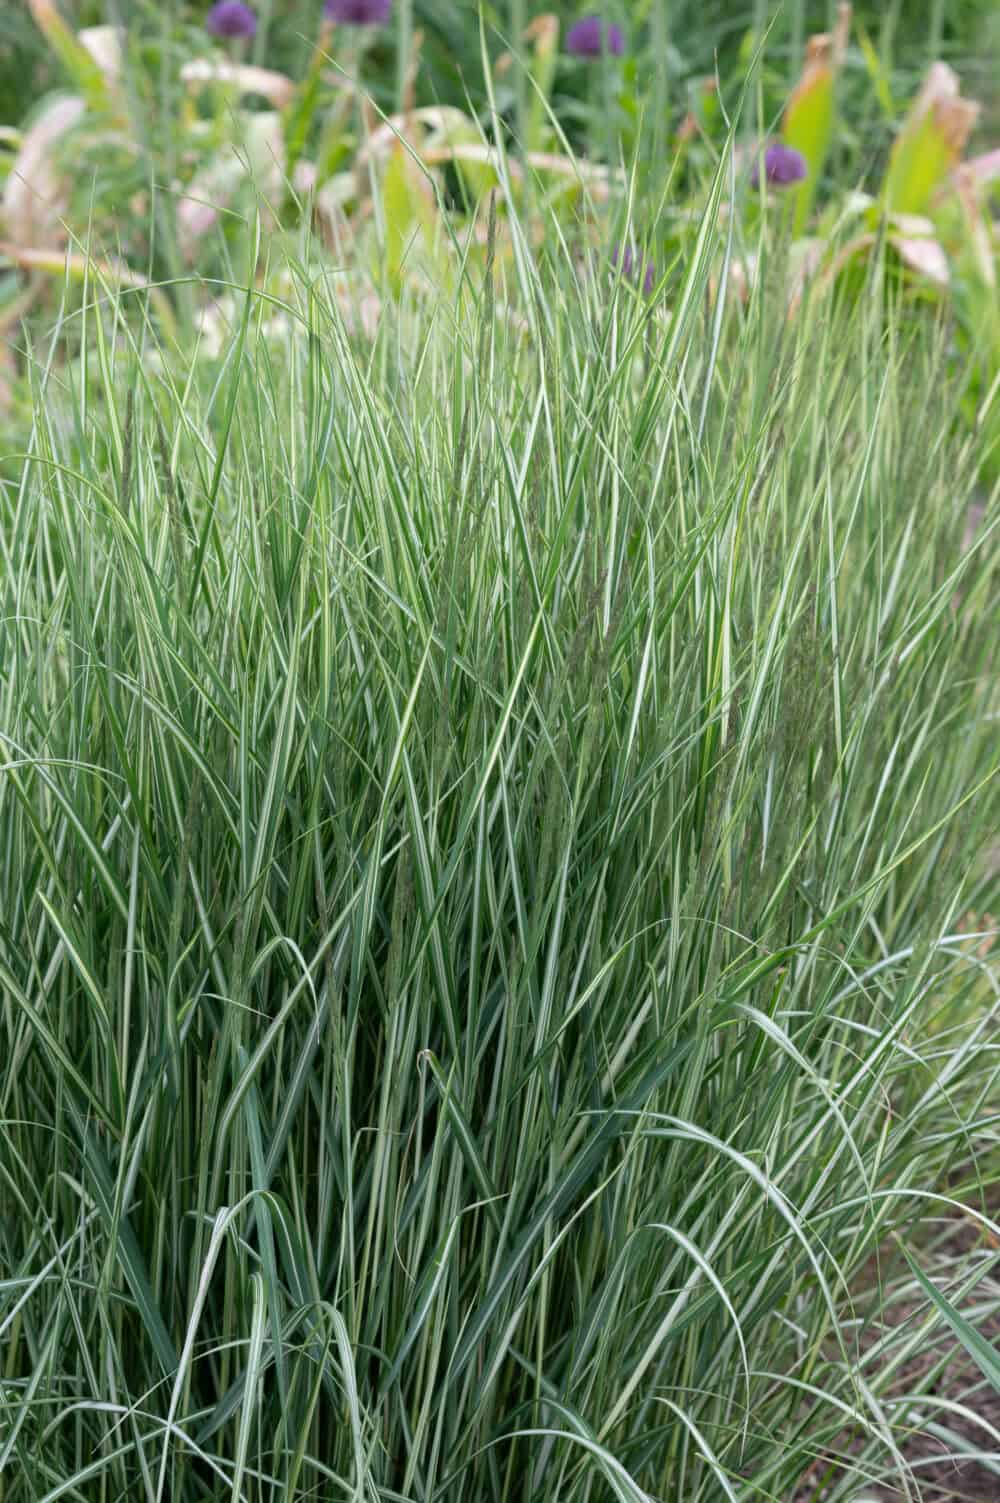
x: 878, y: 74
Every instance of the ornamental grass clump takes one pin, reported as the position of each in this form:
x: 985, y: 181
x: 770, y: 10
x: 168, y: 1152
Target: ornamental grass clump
x: 487, y: 802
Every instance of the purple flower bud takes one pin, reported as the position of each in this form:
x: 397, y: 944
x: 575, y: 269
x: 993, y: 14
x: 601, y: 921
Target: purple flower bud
x: 231, y: 18
x: 592, y: 36
x: 632, y: 266
x: 783, y: 165
x: 358, y: 12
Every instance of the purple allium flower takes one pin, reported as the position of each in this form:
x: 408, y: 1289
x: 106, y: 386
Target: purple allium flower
x: 783, y: 165
x: 632, y: 266
x: 358, y: 12
x: 592, y: 36
x: 231, y: 18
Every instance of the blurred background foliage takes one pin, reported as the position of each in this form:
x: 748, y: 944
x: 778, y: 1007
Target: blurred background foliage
x: 160, y: 173
x: 702, y: 35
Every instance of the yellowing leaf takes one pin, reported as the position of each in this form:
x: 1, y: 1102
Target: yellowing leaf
x: 809, y: 115
x: 462, y: 143
x: 930, y: 143
x: 410, y: 212
x: 544, y: 32
x: 878, y: 74
x: 85, y: 72
x: 54, y: 261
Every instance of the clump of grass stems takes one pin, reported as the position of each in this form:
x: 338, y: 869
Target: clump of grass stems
x: 485, y: 818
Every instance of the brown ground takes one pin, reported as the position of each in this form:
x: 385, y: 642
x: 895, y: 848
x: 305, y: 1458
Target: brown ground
x: 938, y: 1477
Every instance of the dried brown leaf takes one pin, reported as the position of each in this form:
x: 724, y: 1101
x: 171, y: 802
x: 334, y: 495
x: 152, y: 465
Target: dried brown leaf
x: 34, y: 198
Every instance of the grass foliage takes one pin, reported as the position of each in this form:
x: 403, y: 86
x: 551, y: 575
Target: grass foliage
x: 486, y: 814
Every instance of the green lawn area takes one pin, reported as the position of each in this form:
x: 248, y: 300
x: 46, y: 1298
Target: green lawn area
x: 499, y: 733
